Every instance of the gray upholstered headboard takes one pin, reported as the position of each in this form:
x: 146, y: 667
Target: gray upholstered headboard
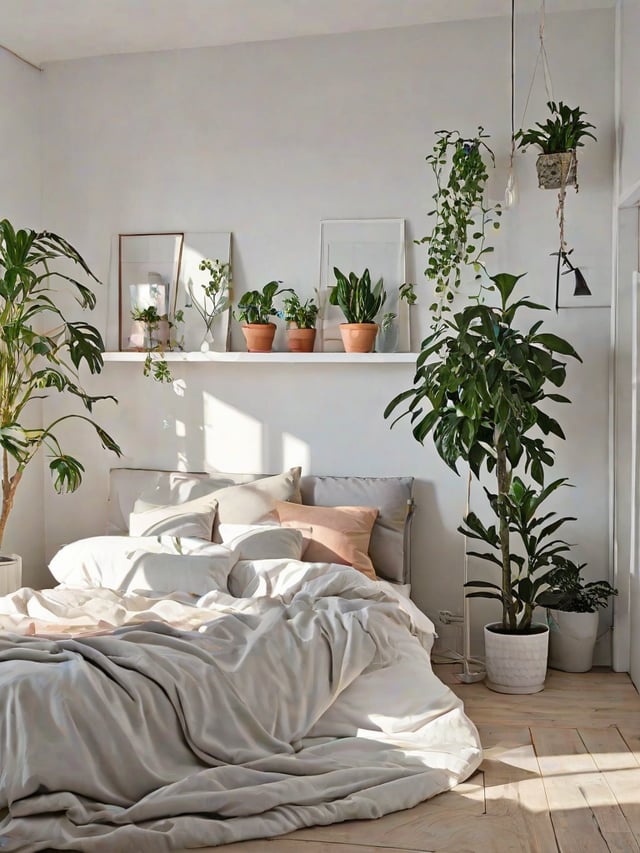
x: 390, y: 547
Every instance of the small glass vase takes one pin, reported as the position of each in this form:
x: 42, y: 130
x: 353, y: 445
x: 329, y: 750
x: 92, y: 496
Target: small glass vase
x: 207, y: 341
x: 387, y: 338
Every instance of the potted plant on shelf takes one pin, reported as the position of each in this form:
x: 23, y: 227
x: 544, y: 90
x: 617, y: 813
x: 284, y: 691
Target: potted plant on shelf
x: 213, y: 298
x: 301, y: 320
x: 480, y: 387
x: 36, y: 362
x: 573, y: 608
x: 254, y: 312
x: 360, y: 302
x: 557, y: 139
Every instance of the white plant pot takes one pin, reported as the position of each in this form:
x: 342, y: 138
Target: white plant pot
x: 516, y: 663
x: 10, y: 573
x: 572, y: 639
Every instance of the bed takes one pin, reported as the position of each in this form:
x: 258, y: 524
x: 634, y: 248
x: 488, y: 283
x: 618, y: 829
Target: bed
x: 215, y: 669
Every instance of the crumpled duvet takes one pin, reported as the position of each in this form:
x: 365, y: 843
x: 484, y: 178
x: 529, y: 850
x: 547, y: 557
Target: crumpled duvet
x: 144, y: 723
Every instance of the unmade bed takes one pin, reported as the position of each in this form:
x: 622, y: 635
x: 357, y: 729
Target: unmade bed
x: 177, y: 692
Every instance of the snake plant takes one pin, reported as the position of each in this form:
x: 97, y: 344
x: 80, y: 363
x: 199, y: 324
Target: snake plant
x: 356, y: 298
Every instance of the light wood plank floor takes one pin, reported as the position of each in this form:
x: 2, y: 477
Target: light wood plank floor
x: 561, y: 774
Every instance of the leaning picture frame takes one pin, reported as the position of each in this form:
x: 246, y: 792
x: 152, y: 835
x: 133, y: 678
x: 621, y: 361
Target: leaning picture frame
x: 353, y: 245
x: 148, y: 268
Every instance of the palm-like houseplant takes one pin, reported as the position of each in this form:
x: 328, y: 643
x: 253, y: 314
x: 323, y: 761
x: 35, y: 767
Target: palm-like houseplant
x: 36, y: 361
x: 480, y: 388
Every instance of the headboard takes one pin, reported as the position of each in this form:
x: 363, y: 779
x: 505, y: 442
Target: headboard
x: 390, y: 546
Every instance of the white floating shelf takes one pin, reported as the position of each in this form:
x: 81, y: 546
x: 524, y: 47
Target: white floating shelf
x: 275, y: 357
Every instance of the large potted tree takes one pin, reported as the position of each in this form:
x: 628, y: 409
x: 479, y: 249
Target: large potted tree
x: 480, y: 388
x: 41, y: 353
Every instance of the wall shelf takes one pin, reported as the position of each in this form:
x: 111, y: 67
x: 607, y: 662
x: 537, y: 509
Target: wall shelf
x: 273, y: 357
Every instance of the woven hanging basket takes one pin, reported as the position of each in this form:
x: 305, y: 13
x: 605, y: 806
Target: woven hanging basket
x: 557, y: 170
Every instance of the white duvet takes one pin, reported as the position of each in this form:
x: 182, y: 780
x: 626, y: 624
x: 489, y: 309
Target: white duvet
x: 130, y: 722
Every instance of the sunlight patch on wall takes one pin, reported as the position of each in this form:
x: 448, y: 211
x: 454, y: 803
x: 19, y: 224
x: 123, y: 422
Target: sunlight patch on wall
x: 295, y: 451
x: 233, y: 440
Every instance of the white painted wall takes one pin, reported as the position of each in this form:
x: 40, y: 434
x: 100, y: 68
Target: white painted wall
x: 630, y: 96
x: 20, y: 130
x: 265, y: 140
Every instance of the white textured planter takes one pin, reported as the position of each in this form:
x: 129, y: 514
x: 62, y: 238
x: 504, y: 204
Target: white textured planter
x: 572, y: 639
x: 10, y: 573
x: 516, y: 663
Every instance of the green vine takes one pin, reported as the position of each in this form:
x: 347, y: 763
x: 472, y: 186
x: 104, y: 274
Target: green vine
x: 462, y: 216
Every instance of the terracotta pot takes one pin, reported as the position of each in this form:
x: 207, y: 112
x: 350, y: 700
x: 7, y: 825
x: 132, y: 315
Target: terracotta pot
x: 358, y: 337
x: 516, y: 662
x: 300, y: 340
x: 557, y: 170
x: 259, y: 336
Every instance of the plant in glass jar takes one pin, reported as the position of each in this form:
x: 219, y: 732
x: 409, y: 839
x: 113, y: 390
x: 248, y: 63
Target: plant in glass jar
x: 213, y: 298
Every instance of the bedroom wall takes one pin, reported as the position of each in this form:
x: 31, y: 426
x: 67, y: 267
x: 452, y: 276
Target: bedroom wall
x: 265, y: 140
x: 20, y: 181
x: 630, y: 96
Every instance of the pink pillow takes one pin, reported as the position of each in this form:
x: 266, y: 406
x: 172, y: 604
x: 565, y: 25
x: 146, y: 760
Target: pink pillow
x: 339, y: 534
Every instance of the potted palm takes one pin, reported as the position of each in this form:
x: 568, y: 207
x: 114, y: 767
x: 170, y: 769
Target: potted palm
x: 301, y: 320
x: 254, y: 311
x: 360, y: 302
x: 36, y: 362
x: 480, y: 388
x: 557, y: 140
x: 573, y: 608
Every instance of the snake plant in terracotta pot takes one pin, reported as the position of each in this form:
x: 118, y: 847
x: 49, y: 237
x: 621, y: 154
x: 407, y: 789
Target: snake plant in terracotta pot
x: 41, y: 353
x: 360, y: 302
x: 481, y: 386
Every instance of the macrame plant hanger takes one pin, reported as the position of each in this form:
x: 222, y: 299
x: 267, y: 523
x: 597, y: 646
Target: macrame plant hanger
x: 581, y: 287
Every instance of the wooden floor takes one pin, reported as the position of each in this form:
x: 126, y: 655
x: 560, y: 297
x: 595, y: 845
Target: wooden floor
x: 561, y: 772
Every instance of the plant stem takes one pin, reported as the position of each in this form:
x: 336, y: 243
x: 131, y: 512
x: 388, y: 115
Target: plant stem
x: 9, y: 486
x: 504, y: 478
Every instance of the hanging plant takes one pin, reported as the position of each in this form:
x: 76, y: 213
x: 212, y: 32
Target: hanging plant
x: 462, y: 216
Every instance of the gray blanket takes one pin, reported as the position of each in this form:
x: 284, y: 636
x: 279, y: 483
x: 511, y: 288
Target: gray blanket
x: 310, y: 706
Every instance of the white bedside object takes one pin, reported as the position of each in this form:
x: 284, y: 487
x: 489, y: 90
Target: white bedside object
x: 10, y: 573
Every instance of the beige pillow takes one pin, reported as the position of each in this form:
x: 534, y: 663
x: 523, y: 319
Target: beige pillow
x: 339, y: 534
x: 255, y: 503
x: 192, y: 518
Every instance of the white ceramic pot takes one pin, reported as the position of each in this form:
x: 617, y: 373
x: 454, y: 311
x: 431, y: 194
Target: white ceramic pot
x: 516, y: 663
x: 10, y: 573
x: 572, y: 639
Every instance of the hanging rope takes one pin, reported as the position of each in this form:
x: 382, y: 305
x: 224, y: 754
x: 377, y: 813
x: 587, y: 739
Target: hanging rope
x: 542, y: 55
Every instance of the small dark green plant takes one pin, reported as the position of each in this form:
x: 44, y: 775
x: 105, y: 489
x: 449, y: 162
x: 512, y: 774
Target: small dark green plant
x: 303, y: 314
x: 37, y: 360
x: 155, y: 364
x: 531, y: 571
x: 480, y: 388
x: 462, y: 216
x: 564, y: 131
x: 359, y: 301
x: 569, y: 592
x: 257, y: 306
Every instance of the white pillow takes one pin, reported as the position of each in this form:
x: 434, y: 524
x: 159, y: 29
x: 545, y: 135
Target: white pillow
x: 161, y: 563
x: 193, y: 518
x: 262, y: 541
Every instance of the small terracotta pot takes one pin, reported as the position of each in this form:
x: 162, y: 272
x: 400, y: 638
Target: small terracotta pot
x: 300, y: 340
x: 259, y: 336
x: 358, y: 337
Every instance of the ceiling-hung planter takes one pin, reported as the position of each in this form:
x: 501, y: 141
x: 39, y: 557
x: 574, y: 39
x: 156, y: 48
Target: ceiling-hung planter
x: 557, y: 170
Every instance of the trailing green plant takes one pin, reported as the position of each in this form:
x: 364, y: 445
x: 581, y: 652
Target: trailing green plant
x: 155, y: 364
x: 303, y: 314
x: 257, y: 306
x: 212, y: 298
x: 531, y: 571
x: 480, y: 388
x: 569, y: 592
x: 564, y: 131
x: 458, y: 238
x: 408, y: 293
x: 36, y: 361
x: 359, y: 301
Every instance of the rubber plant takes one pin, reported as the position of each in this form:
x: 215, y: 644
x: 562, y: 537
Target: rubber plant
x: 36, y: 361
x: 480, y: 389
x: 462, y: 215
